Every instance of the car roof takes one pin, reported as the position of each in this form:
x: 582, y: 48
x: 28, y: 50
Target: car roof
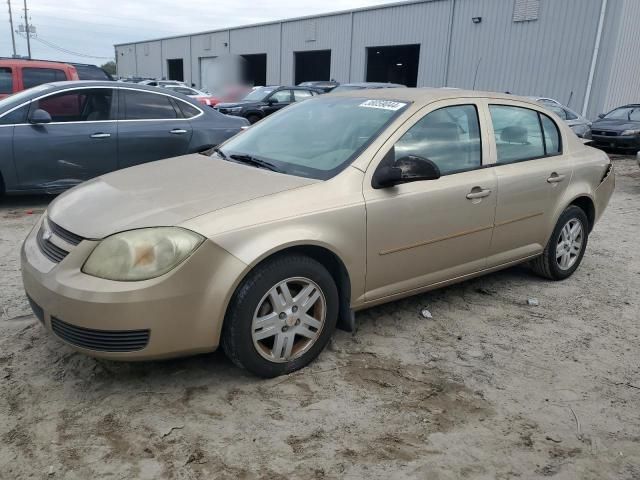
x: 22, y: 62
x: 425, y: 95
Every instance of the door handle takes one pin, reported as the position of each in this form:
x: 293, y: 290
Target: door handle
x: 556, y: 178
x: 478, y: 192
x: 101, y: 135
x: 178, y: 131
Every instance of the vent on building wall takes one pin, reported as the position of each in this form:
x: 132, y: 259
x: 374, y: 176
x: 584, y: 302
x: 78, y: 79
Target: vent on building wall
x: 526, y: 10
x: 146, y: 49
x: 207, y: 42
x: 310, y: 31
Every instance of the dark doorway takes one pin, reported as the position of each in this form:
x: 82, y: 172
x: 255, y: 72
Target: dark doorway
x: 255, y: 69
x: 314, y: 65
x: 175, y: 66
x: 397, y: 64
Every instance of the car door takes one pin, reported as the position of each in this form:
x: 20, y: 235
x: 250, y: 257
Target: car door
x: 151, y: 127
x: 78, y: 144
x: 533, y: 174
x: 426, y: 232
x: 278, y: 100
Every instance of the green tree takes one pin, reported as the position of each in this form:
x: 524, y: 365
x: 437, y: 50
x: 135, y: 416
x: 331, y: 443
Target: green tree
x: 109, y: 67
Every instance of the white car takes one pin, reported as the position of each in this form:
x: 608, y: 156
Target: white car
x: 579, y: 124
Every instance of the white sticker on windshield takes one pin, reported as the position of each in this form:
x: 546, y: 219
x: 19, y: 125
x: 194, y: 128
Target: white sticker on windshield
x: 384, y: 104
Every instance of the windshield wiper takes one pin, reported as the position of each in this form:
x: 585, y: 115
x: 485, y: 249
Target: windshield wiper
x: 256, y: 162
x: 220, y: 153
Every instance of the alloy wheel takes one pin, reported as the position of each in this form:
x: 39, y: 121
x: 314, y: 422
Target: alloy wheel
x: 569, y: 244
x: 289, y: 319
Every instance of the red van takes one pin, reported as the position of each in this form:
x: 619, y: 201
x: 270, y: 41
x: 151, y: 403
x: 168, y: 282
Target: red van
x: 17, y: 75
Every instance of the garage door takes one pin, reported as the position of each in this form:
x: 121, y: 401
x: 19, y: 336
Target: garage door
x: 208, y: 67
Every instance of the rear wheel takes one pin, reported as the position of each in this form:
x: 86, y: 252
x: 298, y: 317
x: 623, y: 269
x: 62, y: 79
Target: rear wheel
x: 563, y: 254
x: 281, y: 317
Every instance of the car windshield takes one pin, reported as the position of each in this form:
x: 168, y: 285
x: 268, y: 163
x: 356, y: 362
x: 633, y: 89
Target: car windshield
x: 23, y: 95
x: 317, y: 138
x: 625, y: 113
x: 344, y: 88
x: 259, y: 94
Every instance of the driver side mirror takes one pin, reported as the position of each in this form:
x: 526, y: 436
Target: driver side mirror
x: 601, y: 115
x: 40, y: 117
x: 411, y: 168
x: 272, y: 101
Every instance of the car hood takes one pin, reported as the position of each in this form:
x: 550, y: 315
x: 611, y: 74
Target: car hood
x: 616, y: 125
x: 163, y: 193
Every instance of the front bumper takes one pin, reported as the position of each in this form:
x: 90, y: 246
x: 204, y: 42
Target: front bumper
x: 623, y: 142
x: 181, y: 312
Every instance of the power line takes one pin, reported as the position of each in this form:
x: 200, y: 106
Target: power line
x: 64, y: 50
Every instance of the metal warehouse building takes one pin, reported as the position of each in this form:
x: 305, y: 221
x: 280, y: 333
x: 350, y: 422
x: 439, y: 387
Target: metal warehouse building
x: 584, y: 53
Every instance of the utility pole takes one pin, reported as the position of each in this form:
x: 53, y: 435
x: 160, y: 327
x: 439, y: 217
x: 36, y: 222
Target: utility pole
x: 28, y: 30
x: 13, y: 38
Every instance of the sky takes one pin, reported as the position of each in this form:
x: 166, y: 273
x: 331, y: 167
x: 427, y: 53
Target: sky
x: 91, y: 28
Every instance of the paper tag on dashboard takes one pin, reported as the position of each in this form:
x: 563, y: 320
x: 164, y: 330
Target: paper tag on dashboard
x: 383, y: 104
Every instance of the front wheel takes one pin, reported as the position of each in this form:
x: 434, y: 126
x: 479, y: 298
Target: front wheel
x: 565, y: 249
x: 281, y: 316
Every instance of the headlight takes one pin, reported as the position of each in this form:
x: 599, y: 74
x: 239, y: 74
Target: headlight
x: 141, y: 254
x: 234, y: 109
x: 631, y: 132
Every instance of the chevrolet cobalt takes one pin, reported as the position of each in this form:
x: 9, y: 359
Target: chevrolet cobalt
x: 327, y: 207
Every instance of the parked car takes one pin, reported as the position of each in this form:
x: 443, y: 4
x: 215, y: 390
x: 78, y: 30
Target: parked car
x: 263, y: 101
x: 18, y: 74
x: 160, y: 83
x: 204, y: 98
x: 618, y: 129
x: 57, y: 135
x: 333, y: 205
x: 322, y: 85
x: 365, y: 86
x: 579, y: 124
x: 91, y: 72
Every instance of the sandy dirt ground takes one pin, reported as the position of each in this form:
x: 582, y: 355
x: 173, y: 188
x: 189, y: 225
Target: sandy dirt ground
x: 489, y: 388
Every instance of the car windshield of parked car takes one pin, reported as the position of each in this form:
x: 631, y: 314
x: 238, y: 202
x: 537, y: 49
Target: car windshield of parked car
x: 317, y: 138
x: 259, y: 94
x: 624, y: 113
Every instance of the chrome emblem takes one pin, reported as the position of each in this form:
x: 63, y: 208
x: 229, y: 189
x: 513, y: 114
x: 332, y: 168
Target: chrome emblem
x: 46, y: 235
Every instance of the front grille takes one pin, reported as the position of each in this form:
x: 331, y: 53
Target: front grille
x: 604, y: 133
x: 66, y: 235
x: 37, y: 309
x: 48, y: 249
x: 100, y: 340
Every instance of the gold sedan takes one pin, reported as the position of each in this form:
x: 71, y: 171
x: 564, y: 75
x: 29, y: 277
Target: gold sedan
x: 327, y: 207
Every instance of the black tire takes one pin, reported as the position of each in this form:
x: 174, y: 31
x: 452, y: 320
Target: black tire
x: 547, y: 265
x: 237, y: 340
x: 253, y: 118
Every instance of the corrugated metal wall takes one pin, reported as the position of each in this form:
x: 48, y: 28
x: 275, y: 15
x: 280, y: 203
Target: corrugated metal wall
x: 550, y: 56
x: 324, y: 33
x: 426, y: 24
x: 624, y: 79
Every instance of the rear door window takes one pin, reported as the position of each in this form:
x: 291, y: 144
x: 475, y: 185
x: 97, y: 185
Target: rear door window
x: 32, y: 77
x: 147, y: 106
x: 6, y: 80
x: 519, y: 134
